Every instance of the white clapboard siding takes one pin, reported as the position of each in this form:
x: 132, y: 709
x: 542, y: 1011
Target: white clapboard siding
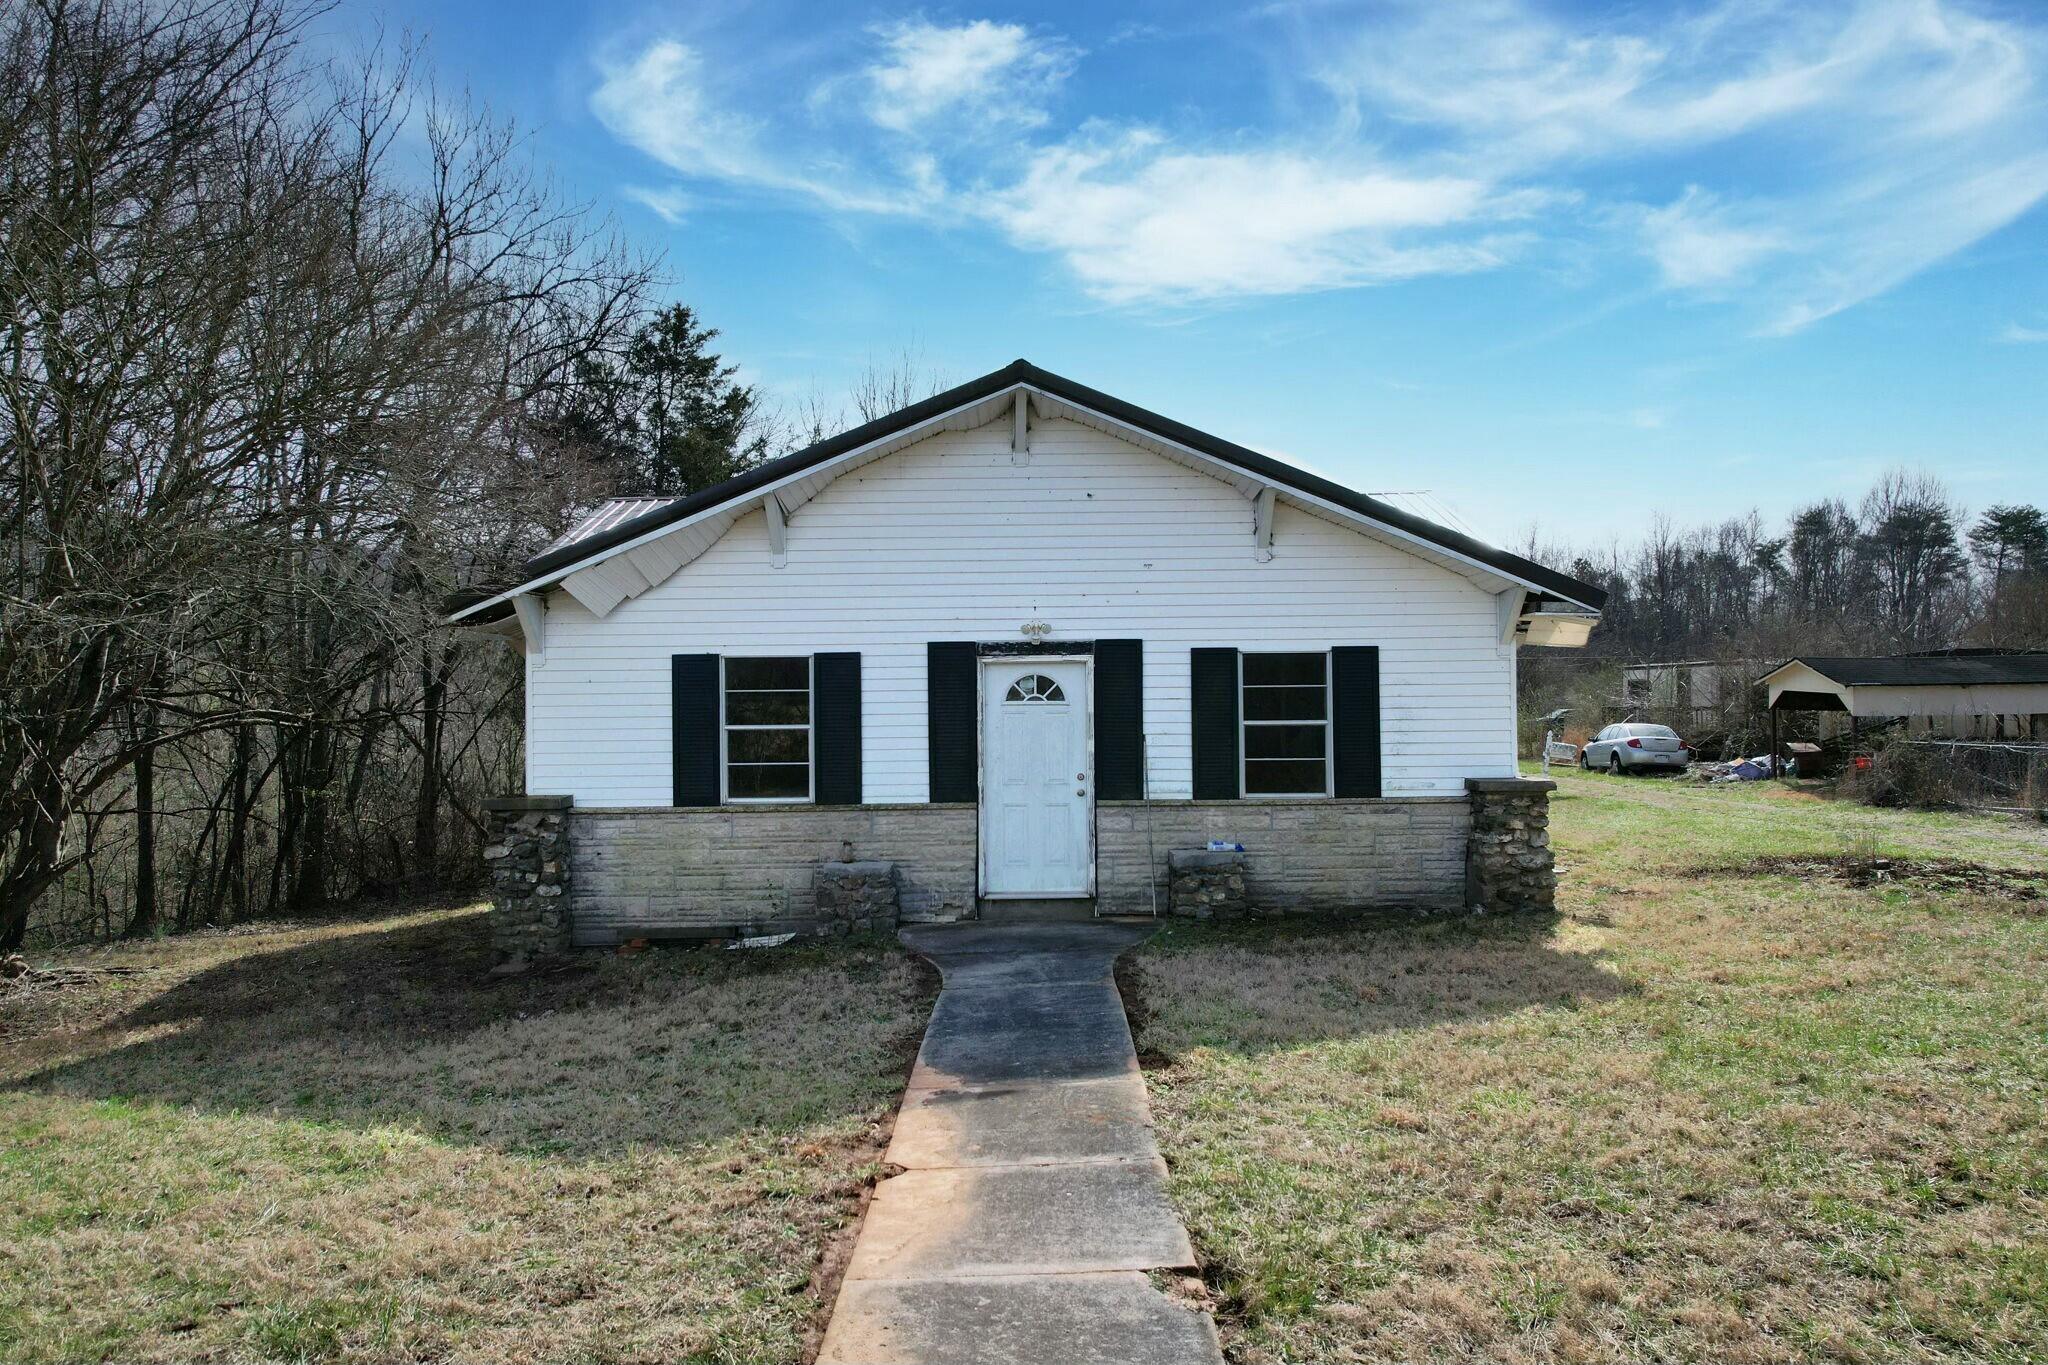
x: 949, y: 539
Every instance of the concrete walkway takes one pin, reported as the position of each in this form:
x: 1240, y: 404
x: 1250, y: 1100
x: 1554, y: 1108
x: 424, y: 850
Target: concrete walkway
x: 1033, y: 1199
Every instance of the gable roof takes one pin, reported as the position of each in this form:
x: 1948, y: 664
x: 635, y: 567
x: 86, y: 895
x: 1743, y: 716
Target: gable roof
x: 588, y: 541
x: 1925, y: 670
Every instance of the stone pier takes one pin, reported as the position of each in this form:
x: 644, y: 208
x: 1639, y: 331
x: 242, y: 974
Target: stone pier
x: 1508, y: 860
x: 857, y: 898
x: 1206, y: 884
x: 527, y: 857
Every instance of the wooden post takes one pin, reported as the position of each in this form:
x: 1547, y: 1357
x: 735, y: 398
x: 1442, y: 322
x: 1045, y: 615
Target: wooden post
x: 1774, y: 740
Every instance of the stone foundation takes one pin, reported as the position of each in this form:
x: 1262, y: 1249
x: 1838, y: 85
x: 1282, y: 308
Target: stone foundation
x: 1206, y: 884
x: 1508, y: 861
x: 1300, y: 856
x: 599, y: 876
x: 526, y: 856
x: 717, y: 871
x: 856, y: 898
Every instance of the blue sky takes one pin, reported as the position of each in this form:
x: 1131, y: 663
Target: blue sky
x: 1557, y: 264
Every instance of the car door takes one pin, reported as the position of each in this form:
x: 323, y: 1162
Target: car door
x: 1598, y: 747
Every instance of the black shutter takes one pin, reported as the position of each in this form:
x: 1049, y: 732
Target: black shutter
x: 951, y: 696
x: 835, y: 729
x: 1212, y: 693
x: 1119, y: 719
x: 1355, y: 714
x: 693, y: 713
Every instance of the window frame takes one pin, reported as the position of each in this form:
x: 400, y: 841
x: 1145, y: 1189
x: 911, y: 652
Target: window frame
x: 1328, y: 722
x: 809, y: 727
x: 1056, y: 697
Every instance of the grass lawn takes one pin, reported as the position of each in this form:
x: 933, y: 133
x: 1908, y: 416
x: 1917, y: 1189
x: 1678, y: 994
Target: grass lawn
x: 1722, y: 1107
x: 336, y: 1142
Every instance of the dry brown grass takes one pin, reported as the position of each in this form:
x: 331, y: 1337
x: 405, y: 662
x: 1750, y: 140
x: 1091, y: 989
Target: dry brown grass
x: 1699, y: 1116
x: 336, y: 1142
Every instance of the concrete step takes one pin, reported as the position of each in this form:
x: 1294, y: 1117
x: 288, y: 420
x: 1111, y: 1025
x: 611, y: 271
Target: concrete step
x: 1062, y: 911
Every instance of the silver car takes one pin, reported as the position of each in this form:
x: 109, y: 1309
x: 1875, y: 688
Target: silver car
x: 1636, y: 748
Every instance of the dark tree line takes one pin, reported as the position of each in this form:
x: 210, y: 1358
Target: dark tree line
x: 291, y: 351
x: 1902, y: 569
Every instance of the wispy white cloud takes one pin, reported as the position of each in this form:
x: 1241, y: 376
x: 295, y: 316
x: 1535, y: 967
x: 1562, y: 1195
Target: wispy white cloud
x: 655, y: 100
x: 1698, y: 242
x: 1792, y: 156
x: 1900, y: 131
x: 2015, y: 334
x: 975, y: 76
x: 669, y: 204
x: 662, y: 100
x: 1537, y: 89
x: 1139, y: 220
x: 1889, y: 226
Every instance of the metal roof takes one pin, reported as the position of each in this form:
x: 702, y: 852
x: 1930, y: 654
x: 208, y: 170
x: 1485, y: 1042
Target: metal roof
x: 607, y: 514
x: 1924, y: 670
x: 591, y: 540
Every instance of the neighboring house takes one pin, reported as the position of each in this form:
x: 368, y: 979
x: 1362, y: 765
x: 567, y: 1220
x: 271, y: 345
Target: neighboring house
x: 1712, y: 703
x: 1957, y: 694
x: 1020, y: 640
x: 1686, y: 693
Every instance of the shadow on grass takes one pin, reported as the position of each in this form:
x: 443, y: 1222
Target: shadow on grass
x: 1275, y: 984
x: 399, y: 1027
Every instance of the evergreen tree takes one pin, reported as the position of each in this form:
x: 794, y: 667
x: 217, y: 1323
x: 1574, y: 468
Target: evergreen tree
x: 2010, y: 543
x: 668, y: 414
x: 2011, y: 539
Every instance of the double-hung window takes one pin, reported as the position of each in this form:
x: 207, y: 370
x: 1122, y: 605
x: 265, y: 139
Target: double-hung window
x: 767, y: 729
x: 1285, y: 703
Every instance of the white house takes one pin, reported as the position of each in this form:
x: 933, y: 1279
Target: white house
x: 1021, y: 641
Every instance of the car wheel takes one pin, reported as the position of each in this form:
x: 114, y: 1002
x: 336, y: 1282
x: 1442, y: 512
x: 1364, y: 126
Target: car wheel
x: 1585, y: 764
x: 1614, y: 764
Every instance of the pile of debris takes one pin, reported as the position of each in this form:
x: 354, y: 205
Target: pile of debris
x: 1736, y: 770
x: 1939, y: 874
x: 17, y: 975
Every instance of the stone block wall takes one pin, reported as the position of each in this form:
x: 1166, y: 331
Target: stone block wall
x: 600, y: 876
x: 1300, y: 856
x: 1509, y: 864
x: 714, y: 870
x: 526, y: 856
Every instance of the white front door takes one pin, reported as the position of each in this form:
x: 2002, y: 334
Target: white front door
x: 1037, y: 778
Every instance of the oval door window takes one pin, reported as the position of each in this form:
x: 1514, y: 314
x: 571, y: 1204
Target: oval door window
x: 1035, y: 687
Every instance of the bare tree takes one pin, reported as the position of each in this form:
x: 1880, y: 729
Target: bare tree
x: 894, y: 383
x: 262, y: 384
x: 1916, y: 565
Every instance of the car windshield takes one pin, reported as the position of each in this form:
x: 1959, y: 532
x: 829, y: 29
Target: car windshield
x: 1653, y: 732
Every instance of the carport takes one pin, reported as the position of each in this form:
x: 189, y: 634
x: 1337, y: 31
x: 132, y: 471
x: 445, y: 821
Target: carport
x: 1963, y: 693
